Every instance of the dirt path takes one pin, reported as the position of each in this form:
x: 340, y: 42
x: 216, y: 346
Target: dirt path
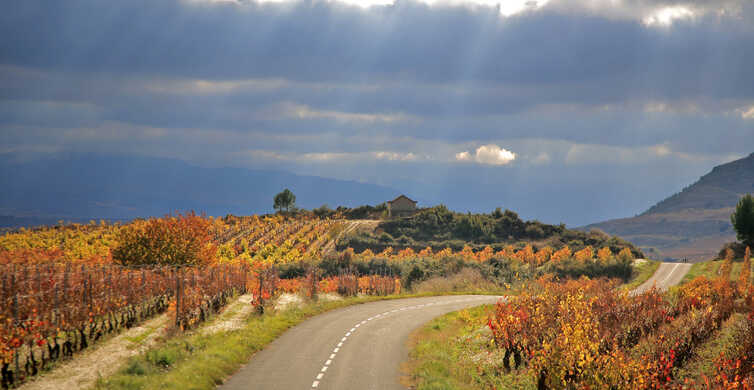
x: 105, y: 358
x: 102, y: 359
x: 352, y: 226
x: 232, y: 317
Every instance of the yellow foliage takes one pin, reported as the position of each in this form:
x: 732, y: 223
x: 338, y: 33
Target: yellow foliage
x: 625, y: 255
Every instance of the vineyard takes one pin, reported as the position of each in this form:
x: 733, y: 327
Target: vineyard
x: 525, y: 255
x: 67, y: 287
x: 585, y: 334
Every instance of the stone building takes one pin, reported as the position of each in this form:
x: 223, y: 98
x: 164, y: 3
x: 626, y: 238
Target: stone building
x: 401, y: 206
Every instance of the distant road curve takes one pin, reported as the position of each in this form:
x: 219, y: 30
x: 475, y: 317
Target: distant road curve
x: 362, y: 346
x: 667, y: 275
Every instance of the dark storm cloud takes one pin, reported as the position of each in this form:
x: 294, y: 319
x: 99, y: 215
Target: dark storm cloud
x: 394, y: 91
x: 407, y: 41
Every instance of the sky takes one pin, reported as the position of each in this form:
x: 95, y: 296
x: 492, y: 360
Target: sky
x: 572, y: 111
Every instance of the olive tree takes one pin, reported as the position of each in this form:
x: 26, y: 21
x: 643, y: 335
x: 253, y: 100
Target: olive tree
x: 284, y: 200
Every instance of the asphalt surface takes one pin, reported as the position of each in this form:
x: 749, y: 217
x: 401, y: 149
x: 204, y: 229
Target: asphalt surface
x: 353, y: 348
x: 362, y: 346
x: 668, y: 274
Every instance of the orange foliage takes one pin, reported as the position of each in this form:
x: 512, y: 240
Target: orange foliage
x: 561, y: 254
x: 585, y: 254
x: 543, y: 255
x: 387, y: 252
x: 426, y: 252
x: 525, y: 255
x: 406, y: 253
x: 604, y: 254
x: 183, y: 239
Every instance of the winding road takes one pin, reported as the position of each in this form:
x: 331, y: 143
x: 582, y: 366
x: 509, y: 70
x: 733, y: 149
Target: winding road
x: 362, y: 346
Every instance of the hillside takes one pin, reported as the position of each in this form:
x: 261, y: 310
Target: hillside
x: 439, y: 228
x: 693, y: 223
x: 85, y: 186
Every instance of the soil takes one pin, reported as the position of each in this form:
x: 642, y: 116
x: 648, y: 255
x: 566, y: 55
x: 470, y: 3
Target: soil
x: 101, y: 360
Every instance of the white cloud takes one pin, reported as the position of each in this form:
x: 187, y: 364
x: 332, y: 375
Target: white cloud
x: 667, y: 15
x: 334, y: 157
x: 490, y: 154
x: 748, y: 114
x: 304, y: 112
x: 652, y: 13
x: 506, y: 7
x: 323, y: 157
x: 394, y: 156
x: 463, y: 156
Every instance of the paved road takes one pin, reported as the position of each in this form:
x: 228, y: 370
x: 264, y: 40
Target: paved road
x: 362, y: 346
x: 353, y: 348
x: 668, y: 274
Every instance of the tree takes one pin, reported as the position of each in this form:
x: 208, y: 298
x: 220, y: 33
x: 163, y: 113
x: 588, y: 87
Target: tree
x: 183, y: 239
x: 284, y: 199
x: 743, y: 220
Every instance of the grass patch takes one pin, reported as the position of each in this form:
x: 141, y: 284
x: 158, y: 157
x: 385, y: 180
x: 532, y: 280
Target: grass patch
x: 641, y: 273
x: 139, y: 338
x: 704, y: 268
x: 711, y: 268
x: 465, y: 280
x: 453, y: 352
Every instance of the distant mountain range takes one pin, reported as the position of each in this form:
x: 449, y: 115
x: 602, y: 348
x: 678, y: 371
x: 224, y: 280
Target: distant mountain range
x: 693, y: 223
x: 79, y: 187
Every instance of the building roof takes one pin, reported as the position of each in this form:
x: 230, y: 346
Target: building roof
x: 402, y: 196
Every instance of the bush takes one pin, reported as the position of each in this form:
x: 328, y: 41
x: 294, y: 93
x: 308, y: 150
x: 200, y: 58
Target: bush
x: 183, y: 239
x: 323, y: 211
x: 574, y: 269
x: 737, y: 248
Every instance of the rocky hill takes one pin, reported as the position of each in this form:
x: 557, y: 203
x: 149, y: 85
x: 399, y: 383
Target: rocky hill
x: 693, y: 223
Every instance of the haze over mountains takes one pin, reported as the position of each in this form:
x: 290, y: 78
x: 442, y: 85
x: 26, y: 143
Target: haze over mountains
x: 86, y: 186
x: 693, y: 223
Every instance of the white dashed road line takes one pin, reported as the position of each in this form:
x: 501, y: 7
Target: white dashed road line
x: 321, y: 374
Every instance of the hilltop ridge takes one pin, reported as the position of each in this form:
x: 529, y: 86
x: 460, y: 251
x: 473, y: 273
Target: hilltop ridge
x: 721, y: 188
x: 693, y: 223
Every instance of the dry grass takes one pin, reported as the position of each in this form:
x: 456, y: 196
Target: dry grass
x: 467, y: 280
